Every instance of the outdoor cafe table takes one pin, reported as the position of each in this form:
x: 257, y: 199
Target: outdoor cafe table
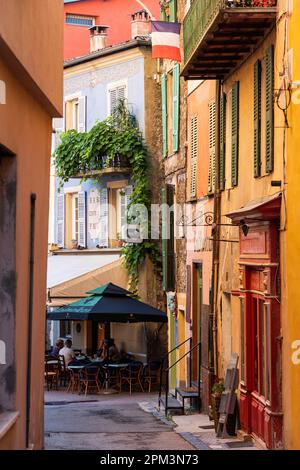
x: 106, y: 367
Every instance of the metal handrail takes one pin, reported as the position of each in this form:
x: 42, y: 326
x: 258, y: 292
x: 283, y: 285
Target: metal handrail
x: 178, y: 360
x: 170, y: 367
x: 164, y: 358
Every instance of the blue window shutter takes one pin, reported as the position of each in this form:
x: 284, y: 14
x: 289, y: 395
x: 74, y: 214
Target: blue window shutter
x: 103, y: 235
x: 60, y: 220
x: 82, y: 219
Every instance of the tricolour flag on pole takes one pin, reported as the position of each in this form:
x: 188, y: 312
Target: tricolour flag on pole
x: 166, y: 40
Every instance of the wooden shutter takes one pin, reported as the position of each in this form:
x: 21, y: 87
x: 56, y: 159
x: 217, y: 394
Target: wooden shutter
x: 125, y: 200
x: 121, y: 92
x: 60, y: 220
x: 270, y: 110
x: 222, y: 142
x: 164, y: 113
x: 176, y: 92
x: 168, y: 255
x: 173, y: 10
x: 82, y: 219
x: 103, y: 235
x: 212, y: 147
x: 194, y: 155
x: 235, y: 134
x: 257, y: 119
x: 113, y: 98
x: 82, y: 114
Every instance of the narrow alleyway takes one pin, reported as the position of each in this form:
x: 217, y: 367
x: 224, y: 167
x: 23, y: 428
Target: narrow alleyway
x: 106, y: 423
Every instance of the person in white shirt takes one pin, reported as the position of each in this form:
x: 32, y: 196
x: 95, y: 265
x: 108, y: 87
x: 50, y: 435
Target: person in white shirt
x: 67, y: 352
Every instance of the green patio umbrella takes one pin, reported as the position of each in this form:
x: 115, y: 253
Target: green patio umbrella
x: 109, y: 303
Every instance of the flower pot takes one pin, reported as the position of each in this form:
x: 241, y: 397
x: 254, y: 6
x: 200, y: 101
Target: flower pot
x: 74, y: 244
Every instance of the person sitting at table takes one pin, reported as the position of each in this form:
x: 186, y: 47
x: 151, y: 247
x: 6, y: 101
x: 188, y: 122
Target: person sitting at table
x: 113, y: 352
x: 101, y: 351
x: 58, y: 346
x: 67, y: 352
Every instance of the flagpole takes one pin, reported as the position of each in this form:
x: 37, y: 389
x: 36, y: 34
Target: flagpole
x: 146, y: 8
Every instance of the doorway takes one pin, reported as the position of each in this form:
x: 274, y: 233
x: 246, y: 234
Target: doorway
x: 197, y: 318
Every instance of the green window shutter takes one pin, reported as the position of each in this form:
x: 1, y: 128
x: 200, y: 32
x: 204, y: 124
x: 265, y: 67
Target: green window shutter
x: 163, y: 15
x: 164, y: 113
x: 235, y: 134
x: 212, y: 147
x: 168, y: 245
x: 257, y: 119
x: 222, y: 142
x: 270, y: 110
x: 173, y: 10
x: 176, y: 92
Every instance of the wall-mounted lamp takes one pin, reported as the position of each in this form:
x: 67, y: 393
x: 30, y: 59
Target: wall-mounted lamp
x: 245, y: 228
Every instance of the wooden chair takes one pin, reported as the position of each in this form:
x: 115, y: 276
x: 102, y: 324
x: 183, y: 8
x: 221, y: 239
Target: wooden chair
x: 51, y: 372
x: 132, y: 374
x: 151, y: 374
x: 74, y: 380
x: 89, y: 379
x: 63, y: 373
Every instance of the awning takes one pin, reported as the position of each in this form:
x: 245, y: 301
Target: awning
x: 109, y: 303
x: 71, y: 290
x: 265, y: 209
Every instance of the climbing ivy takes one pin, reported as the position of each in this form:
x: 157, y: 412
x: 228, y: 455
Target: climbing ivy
x: 82, y: 152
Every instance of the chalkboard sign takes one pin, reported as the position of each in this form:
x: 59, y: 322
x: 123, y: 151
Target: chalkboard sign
x: 228, y: 398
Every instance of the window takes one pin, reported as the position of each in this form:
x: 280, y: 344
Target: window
x: 116, y: 93
x: 80, y: 20
x: 75, y: 217
x: 75, y: 114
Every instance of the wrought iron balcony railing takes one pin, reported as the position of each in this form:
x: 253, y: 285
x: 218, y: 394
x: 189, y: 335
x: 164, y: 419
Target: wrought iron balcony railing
x: 116, y: 164
x: 203, y: 14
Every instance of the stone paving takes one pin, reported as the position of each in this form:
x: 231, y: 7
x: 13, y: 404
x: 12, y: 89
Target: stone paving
x: 106, y: 422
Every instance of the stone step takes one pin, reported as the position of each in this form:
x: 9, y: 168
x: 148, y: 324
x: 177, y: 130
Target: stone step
x: 172, y: 403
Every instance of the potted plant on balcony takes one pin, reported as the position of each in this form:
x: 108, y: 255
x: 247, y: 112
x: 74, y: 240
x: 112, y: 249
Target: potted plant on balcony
x: 217, y: 390
x: 74, y: 244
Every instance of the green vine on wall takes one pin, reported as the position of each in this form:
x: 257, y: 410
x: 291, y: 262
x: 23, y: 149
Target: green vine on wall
x: 82, y: 152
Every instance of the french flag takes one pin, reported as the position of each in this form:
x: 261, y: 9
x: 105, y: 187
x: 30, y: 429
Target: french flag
x: 166, y: 40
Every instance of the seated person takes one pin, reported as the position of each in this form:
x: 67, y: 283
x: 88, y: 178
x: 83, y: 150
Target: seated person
x: 113, y: 352
x: 58, y: 346
x: 67, y: 352
x: 101, y: 351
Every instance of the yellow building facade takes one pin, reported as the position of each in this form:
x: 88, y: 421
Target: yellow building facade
x: 291, y: 318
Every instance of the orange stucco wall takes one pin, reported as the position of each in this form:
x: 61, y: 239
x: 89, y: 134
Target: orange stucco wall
x: 33, y: 78
x: 33, y: 36
x: 113, y: 13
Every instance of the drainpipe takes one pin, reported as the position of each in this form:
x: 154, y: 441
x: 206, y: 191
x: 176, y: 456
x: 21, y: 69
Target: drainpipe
x: 216, y: 246
x: 30, y: 315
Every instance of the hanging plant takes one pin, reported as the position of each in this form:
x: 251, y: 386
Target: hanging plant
x: 82, y: 152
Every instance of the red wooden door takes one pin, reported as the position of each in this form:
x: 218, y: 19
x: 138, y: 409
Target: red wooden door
x: 258, y: 369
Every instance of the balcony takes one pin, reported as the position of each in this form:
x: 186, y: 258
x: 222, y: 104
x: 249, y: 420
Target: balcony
x: 220, y: 34
x: 105, y: 165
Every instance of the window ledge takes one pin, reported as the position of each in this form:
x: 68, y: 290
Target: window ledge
x: 7, y: 420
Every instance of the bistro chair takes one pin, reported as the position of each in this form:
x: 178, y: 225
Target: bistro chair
x: 64, y: 374
x: 151, y: 374
x: 51, y: 372
x: 89, y: 379
x: 74, y: 381
x: 132, y: 375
